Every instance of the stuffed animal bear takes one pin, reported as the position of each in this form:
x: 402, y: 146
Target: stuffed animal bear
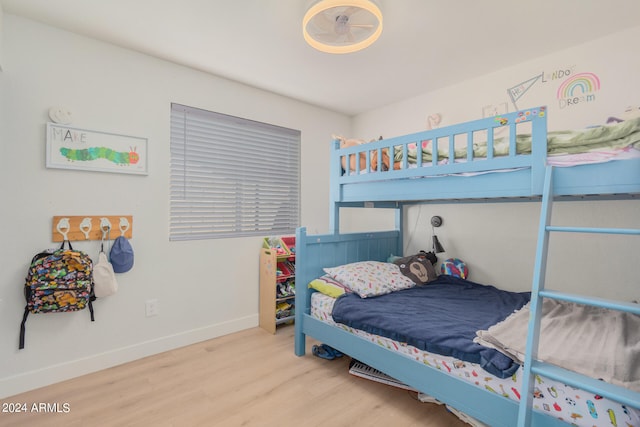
x: 419, y: 267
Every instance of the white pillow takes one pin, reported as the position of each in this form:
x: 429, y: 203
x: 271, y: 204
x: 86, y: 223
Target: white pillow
x: 370, y: 278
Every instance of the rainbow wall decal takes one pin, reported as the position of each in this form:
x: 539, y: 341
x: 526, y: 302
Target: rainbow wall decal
x: 578, y: 85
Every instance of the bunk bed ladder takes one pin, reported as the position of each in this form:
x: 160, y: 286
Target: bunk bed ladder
x: 532, y: 366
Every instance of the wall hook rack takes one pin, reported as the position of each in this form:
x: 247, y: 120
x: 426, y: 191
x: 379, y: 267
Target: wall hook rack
x: 74, y: 228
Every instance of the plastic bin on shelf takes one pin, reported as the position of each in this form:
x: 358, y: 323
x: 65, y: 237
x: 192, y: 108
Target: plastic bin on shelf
x: 278, y: 245
x: 290, y: 241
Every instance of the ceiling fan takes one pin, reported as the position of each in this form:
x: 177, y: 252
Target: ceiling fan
x: 336, y: 26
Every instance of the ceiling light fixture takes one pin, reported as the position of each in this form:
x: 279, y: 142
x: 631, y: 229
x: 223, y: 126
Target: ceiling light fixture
x: 342, y: 26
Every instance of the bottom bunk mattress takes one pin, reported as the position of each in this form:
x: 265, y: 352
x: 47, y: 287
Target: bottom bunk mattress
x: 561, y: 401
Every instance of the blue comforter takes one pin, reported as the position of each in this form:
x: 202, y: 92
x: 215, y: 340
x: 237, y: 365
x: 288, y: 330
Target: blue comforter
x: 441, y: 317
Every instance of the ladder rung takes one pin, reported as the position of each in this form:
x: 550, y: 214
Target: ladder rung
x: 619, y: 394
x: 632, y: 231
x: 628, y: 307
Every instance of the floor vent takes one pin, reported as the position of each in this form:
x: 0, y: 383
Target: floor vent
x: 361, y: 370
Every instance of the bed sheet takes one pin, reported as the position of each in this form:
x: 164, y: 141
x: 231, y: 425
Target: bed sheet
x: 610, y: 139
x: 565, y: 148
x: 593, y: 341
x: 572, y: 405
x: 563, y: 161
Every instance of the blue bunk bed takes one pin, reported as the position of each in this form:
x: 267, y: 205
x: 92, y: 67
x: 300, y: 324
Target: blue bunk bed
x: 419, y: 169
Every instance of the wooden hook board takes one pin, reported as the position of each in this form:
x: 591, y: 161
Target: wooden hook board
x: 90, y: 227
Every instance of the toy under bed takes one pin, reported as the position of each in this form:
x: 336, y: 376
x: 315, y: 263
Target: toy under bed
x: 572, y: 405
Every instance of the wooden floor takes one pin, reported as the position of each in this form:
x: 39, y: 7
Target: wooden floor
x: 250, y: 378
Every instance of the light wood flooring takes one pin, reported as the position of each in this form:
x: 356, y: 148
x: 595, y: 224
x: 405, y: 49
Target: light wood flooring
x: 250, y: 378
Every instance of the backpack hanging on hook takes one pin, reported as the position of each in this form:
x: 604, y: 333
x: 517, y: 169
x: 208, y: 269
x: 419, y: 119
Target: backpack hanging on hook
x: 58, y: 280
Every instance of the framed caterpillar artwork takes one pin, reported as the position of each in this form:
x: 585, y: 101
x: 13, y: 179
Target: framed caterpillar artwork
x: 83, y: 149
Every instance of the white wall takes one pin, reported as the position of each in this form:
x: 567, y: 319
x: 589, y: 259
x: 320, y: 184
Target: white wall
x: 498, y: 240
x: 1, y: 34
x: 204, y: 288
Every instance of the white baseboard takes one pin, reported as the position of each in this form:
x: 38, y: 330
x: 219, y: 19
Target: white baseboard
x: 10, y: 386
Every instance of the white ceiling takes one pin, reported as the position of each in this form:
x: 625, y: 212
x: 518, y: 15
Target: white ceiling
x: 425, y: 44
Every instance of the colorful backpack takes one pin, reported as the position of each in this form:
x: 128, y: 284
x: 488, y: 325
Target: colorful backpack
x: 58, y: 280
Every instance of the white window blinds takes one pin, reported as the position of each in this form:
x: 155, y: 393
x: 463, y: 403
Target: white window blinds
x: 231, y: 177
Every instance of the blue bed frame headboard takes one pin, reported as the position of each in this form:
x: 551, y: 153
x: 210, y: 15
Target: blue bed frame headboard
x: 330, y: 250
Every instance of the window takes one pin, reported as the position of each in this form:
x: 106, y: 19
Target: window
x: 231, y: 177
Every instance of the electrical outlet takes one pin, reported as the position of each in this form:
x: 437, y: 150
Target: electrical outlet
x: 151, y: 307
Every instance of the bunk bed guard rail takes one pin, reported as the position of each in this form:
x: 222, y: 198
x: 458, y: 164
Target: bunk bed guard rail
x: 359, y: 172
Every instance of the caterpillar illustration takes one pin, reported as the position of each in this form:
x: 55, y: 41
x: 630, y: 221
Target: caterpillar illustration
x: 93, y: 153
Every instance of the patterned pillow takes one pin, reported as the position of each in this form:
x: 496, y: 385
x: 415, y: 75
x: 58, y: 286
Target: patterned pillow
x: 329, y: 286
x: 370, y: 278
